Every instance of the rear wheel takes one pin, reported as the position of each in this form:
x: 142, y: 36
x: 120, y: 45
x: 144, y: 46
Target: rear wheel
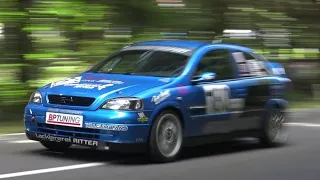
x: 166, y: 137
x: 55, y: 146
x: 273, y: 131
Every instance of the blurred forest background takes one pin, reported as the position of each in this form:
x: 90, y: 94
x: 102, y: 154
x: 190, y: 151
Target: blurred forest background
x: 45, y: 40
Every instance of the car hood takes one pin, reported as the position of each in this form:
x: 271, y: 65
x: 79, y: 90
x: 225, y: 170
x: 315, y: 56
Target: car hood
x: 104, y: 85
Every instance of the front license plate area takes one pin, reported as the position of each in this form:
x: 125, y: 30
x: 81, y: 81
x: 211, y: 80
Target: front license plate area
x: 64, y: 119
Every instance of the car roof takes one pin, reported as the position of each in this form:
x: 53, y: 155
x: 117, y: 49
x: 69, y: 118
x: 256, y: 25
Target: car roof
x: 174, y: 43
x: 190, y: 44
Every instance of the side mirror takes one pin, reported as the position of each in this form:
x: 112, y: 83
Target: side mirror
x: 205, y: 77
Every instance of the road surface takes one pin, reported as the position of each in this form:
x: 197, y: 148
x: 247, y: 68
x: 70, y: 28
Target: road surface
x: 27, y: 160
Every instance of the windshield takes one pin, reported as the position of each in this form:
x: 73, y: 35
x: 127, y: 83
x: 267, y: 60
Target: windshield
x: 143, y: 62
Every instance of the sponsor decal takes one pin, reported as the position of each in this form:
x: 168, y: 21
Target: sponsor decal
x: 66, y: 81
x: 142, y: 117
x: 64, y: 119
x: 75, y: 83
x: 109, y: 127
x: 247, y: 67
x: 110, y: 81
x: 89, y: 86
x: 85, y: 142
x: 53, y: 138
x: 217, y: 98
x: 161, y: 97
x: 97, y: 80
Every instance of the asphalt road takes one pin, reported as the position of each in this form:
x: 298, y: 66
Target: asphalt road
x: 26, y: 160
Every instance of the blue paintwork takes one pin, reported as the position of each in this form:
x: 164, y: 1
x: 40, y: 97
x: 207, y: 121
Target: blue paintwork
x: 145, y: 87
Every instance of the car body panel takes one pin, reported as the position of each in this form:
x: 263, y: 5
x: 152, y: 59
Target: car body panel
x: 248, y: 99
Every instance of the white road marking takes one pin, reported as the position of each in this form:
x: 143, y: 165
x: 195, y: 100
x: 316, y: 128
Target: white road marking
x: 8, y: 139
x: 56, y: 169
x: 23, y: 142
x: 303, y: 124
x: 12, y: 134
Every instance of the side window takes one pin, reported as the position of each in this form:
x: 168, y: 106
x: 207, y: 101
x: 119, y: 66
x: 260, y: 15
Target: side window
x: 217, y: 61
x: 247, y: 65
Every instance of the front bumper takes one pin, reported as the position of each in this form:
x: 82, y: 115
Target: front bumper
x: 135, y: 133
x: 96, y: 144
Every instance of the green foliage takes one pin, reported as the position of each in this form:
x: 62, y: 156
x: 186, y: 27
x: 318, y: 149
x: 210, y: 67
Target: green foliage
x: 45, y: 40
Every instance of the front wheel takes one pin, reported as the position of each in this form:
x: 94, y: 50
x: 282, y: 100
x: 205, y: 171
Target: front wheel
x: 273, y: 131
x: 56, y: 146
x: 166, y: 137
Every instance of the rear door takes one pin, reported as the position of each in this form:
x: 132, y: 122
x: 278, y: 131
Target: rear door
x: 217, y: 101
x: 253, y: 86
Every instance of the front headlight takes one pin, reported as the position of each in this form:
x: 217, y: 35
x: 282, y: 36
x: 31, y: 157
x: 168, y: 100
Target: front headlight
x: 36, y: 97
x: 123, y: 104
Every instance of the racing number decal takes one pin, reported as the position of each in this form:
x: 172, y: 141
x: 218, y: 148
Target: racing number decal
x: 217, y: 98
x: 248, y: 67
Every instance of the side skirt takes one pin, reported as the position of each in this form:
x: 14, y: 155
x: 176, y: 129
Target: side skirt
x: 218, y: 138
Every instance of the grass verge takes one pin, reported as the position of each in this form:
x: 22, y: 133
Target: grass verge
x: 11, y: 127
x: 304, y: 104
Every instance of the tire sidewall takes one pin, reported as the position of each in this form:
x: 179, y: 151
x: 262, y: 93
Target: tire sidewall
x: 283, y: 134
x: 154, y: 151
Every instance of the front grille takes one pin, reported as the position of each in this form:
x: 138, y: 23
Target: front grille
x: 70, y: 100
x: 69, y: 131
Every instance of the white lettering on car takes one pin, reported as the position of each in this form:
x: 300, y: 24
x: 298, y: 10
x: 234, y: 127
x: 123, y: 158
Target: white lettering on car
x: 109, y: 127
x: 89, y: 86
x: 75, y: 83
x: 48, y: 137
x: 64, y: 119
x: 161, y: 97
x: 72, y: 80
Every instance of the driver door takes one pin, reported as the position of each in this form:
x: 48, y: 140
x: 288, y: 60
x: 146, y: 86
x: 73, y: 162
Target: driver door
x: 217, y: 98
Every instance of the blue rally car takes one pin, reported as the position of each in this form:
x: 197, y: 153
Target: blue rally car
x: 159, y: 96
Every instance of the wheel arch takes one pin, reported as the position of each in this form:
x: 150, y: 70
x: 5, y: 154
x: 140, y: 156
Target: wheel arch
x: 276, y: 103
x: 280, y: 104
x: 170, y: 106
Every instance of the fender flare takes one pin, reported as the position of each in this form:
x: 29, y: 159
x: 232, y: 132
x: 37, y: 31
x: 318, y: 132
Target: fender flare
x: 171, y: 105
x: 276, y: 103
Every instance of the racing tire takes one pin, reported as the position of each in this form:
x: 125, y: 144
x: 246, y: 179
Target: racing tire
x: 273, y: 131
x: 166, y: 137
x: 56, y: 146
